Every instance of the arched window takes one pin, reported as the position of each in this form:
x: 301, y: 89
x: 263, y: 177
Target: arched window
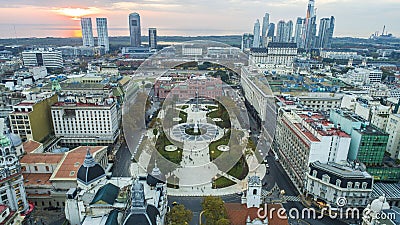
x: 255, y: 192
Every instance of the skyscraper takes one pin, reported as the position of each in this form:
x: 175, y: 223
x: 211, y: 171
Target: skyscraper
x: 284, y: 31
x: 264, y: 30
x: 299, y: 31
x: 102, y: 33
x: 135, y: 30
x: 325, y: 33
x: 289, y: 31
x: 87, y: 32
x: 280, y: 31
x: 265, y: 25
x: 271, y: 32
x: 310, y: 28
x: 152, y: 38
x: 256, y: 33
x: 247, y: 41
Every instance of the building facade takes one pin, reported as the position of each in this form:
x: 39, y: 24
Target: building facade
x: 330, y: 181
x: 393, y: 129
x: 135, y: 30
x: 87, y: 32
x: 47, y: 58
x: 325, y: 34
x: 102, y: 33
x: 91, y: 123
x: 12, y: 190
x: 152, y: 38
x: 303, y: 137
x: 257, y: 35
x: 32, y: 119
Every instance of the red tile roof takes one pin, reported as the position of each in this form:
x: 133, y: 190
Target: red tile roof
x: 238, y: 213
x: 2, y: 208
x: 34, y: 179
x: 50, y: 158
x: 73, y: 160
x: 31, y: 145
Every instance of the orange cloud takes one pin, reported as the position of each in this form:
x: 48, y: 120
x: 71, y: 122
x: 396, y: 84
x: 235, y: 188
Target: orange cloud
x: 77, y: 13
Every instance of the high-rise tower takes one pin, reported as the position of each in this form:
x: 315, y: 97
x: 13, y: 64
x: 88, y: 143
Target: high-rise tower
x: 310, y: 28
x: 256, y: 32
x: 299, y: 28
x: 102, y: 33
x: 325, y: 33
x: 152, y: 38
x: 264, y: 30
x: 87, y: 32
x: 135, y: 30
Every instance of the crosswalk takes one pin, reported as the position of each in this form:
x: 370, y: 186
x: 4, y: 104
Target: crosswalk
x: 289, y: 198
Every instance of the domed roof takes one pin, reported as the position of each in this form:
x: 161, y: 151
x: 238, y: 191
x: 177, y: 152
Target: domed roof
x: 15, y: 139
x: 90, y: 171
x: 155, y: 177
x: 148, y: 217
x: 379, y: 204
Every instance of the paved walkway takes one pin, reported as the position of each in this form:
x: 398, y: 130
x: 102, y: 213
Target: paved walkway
x: 196, y: 171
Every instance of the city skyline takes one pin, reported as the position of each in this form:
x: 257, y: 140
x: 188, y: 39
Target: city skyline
x: 238, y: 16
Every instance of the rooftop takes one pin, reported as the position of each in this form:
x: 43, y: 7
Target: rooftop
x: 72, y: 161
x: 341, y: 170
x: 389, y: 190
x: 34, y: 179
x: 31, y: 145
x: 43, y: 158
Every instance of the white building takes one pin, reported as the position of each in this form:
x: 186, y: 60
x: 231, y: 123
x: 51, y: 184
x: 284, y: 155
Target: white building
x: 330, y: 181
x: 257, y: 35
x: 276, y: 54
x: 87, y: 32
x: 393, y: 129
x: 257, y: 92
x: 47, y: 58
x: 303, y: 137
x: 339, y: 55
x: 91, y: 123
x: 12, y: 190
x: 102, y: 33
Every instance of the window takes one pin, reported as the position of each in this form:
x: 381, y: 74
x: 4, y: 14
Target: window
x: 36, y: 168
x: 255, y: 192
x: 47, y: 168
x: 349, y: 184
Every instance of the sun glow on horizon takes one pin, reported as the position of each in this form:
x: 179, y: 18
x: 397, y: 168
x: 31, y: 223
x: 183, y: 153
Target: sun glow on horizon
x: 77, y: 13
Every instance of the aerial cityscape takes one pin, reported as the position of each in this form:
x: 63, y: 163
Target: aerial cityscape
x: 200, y: 113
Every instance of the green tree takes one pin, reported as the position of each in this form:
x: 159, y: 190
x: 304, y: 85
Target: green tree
x: 223, y: 222
x: 179, y: 215
x: 214, y: 210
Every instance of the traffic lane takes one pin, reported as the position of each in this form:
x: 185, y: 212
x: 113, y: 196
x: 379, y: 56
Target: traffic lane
x: 278, y: 175
x: 122, y: 161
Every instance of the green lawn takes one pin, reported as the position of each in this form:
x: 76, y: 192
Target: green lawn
x: 183, y: 107
x: 220, y: 113
x: 240, y: 169
x: 175, y: 156
x: 222, y: 182
x: 183, y: 117
x: 213, y: 145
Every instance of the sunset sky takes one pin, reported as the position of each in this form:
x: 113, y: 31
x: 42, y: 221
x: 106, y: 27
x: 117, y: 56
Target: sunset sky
x: 49, y: 18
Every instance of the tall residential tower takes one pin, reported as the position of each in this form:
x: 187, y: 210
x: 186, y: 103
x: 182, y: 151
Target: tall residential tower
x: 256, y: 33
x: 102, y: 33
x: 325, y: 34
x: 87, y: 32
x: 152, y: 38
x: 135, y: 30
x: 310, y: 27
